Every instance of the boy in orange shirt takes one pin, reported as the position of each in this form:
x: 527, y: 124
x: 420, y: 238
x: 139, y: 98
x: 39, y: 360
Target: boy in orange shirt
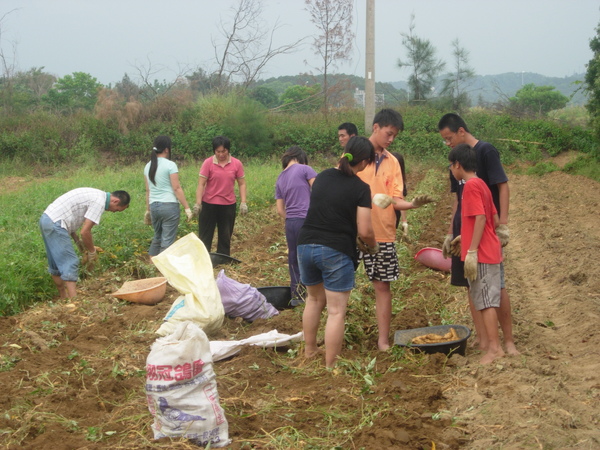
x: 385, y: 178
x: 480, y: 247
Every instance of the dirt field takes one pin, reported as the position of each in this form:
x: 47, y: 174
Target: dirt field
x: 73, y: 372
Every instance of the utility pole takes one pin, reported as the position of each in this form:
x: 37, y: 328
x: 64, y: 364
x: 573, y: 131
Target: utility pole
x: 370, y: 68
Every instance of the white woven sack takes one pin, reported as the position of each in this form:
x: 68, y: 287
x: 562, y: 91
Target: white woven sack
x: 181, y: 388
x: 186, y: 265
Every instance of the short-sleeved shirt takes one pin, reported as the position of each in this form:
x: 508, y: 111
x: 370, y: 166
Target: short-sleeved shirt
x: 162, y: 191
x: 477, y: 201
x: 384, y: 178
x: 77, y: 205
x: 293, y: 188
x: 220, y: 181
x: 331, y: 217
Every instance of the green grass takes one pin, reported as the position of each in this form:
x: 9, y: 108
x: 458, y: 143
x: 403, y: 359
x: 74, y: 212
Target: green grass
x: 124, y: 237
x: 587, y: 166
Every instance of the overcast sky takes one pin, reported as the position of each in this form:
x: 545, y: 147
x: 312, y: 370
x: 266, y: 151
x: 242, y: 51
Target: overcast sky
x: 108, y: 38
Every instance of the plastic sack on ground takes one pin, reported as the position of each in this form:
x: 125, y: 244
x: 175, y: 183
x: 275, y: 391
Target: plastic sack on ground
x: 187, y: 266
x: 224, y: 349
x: 243, y: 300
x: 181, y: 388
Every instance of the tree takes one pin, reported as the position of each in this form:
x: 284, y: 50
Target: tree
x: 456, y: 82
x: 592, y: 81
x: 128, y: 89
x: 333, y: 44
x: 265, y: 95
x: 71, y: 92
x: 8, y: 68
x: 423, y: 63
x: 151, y: 88
x: 301, y: 98
x: 200, y: 81
x: 24, y: 90
x: 537, y: 100
x: 248, y: 46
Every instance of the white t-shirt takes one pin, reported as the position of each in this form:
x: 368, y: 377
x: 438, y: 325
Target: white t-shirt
x: 77, y: 205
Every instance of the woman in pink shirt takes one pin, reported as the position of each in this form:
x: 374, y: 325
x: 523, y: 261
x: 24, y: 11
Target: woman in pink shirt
x: 215, y: 196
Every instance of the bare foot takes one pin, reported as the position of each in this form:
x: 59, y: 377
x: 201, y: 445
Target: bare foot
x: 511, y: 349
x: 491, y: 356
x: 383, y: 346
x: 477, y: 345
x: 308, y: 354
x: 484, y: 346
x: 474, y: 343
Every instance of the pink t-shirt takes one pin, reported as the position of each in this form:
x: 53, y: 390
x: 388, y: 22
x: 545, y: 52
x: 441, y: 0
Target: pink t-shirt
x: 220, y: 181
x: 477, y: 201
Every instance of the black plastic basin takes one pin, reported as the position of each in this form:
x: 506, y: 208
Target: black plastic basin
x: 404, y: 337
x: 278, y: 296
x: 218, y: 259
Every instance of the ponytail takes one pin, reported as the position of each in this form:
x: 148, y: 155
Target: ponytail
x: 161, y: 143
x: 358, y: 149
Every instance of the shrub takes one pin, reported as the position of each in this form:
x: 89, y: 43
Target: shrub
x: 248, y: 128
x: 542, y: 168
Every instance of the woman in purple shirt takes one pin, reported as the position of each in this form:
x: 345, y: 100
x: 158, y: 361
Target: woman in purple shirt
x: 292, y: 193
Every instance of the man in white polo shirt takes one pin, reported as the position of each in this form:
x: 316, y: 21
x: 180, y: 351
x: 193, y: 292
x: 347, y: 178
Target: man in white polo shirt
x: 79, y: 208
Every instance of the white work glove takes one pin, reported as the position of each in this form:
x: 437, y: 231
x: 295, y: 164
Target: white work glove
x: 503, y: 234
x: 405, y: 229
x: 421, y: 200
x: 189, y: 214
x: 89, y: 260
x: 365, y: 248
x: 382, y: 200
x: 196, y: 210
x: 471, y: 265
x: 446, y: 249
x: 243, y: 208
x: 147, y: 218
x: 455, y: 249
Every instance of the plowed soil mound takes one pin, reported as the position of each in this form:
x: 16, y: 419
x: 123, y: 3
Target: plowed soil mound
x: 73, y: 372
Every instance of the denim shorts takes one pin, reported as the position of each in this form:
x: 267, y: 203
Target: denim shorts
x: 62, y: 259
x: 321, y: 264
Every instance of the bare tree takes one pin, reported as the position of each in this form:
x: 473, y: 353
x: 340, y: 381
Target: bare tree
x: 456, y: 82
x: 333, y: 44
x: 422, y: 61
x: 8, y: 63
x: 37, y: 81
x: 248, y: 46
x: 151, y: 87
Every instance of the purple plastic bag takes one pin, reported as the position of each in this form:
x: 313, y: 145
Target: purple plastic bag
x: 243, y: 300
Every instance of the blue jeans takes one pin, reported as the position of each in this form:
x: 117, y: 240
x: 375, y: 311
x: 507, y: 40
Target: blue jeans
x: 165, y: 221
x: 292, y: 230
x: 321, y: 264
x: 62, y: 259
